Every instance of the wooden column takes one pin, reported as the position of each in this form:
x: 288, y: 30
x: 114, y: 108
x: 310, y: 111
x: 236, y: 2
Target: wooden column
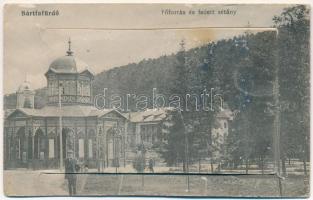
x: 33, y: 144
x: 47, y: 143
x: 25, y: 142
x: 86, y: 141
x: 125, y: 140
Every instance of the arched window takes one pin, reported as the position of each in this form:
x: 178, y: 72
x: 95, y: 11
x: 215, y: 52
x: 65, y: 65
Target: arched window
x: 61, y: 87
x: 66, y: 87
x: 55, y: 90
x: 30, y: 145
x: 72, y: 87
x: 83, y: 88
x: 39, y: 145
x: 81, y: 145
x: 87, y: 92
x: 51, y: 145
x: 79, y: 88
x: 51, y: 148
x: 92, y: 143
x: 50, y: 90
x: 21, y: 144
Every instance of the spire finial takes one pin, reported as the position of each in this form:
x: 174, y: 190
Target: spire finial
x: 248, y: 28
x: 69, y: 51
x: 26, y: 77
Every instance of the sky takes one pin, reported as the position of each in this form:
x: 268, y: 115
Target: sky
x: 112, y: 35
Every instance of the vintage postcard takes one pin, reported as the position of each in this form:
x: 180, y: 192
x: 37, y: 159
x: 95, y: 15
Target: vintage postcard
x: 193, y: 100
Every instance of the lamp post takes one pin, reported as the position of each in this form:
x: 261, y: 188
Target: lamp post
x: 187, y: 160
x: 60, y: 126
x: 186, y: 130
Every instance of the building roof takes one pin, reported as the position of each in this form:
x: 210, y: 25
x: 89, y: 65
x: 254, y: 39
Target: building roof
x: 66, y: 111
x: 65, y: 64
x: 149, y: 115
x: 69, y: 65
x: 8, y: 112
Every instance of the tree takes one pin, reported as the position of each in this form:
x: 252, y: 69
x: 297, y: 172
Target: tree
x: 172, y: 148
x: 293, y: 61
x: 139, y: 163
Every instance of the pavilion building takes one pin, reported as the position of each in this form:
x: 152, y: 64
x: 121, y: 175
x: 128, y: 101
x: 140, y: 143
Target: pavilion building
x: 32, y: 136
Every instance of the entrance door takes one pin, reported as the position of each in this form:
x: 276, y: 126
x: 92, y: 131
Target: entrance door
x: 21, y: 148
x: 114, y: 146
x: 68, y: 140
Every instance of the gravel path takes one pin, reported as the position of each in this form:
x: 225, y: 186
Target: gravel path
x: 38, y: 183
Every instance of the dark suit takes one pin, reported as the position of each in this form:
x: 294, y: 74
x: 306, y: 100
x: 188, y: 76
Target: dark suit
x: 70, y: 175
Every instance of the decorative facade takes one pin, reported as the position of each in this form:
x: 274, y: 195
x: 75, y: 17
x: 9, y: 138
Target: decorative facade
x: 64, y: 80
x: 145, y: 129
x: 32, y: 137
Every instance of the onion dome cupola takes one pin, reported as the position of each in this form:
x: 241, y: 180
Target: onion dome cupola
x: 64, y: 64
x: 65, y: 81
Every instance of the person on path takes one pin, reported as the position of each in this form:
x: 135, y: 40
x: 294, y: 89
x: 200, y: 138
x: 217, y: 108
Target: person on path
x: 71, y: 167
x: 151, y: 164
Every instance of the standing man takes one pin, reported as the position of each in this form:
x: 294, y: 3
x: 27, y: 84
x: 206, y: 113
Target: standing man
x: 151, y: 164
x: 71, y: 167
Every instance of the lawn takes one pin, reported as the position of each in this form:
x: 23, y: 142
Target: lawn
x: 176, y: 185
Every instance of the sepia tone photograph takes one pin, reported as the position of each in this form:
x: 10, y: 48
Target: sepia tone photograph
x: 165, y: 100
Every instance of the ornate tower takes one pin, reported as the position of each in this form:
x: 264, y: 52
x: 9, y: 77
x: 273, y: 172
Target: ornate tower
x: 63, y: 79
x: 25, y: 96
